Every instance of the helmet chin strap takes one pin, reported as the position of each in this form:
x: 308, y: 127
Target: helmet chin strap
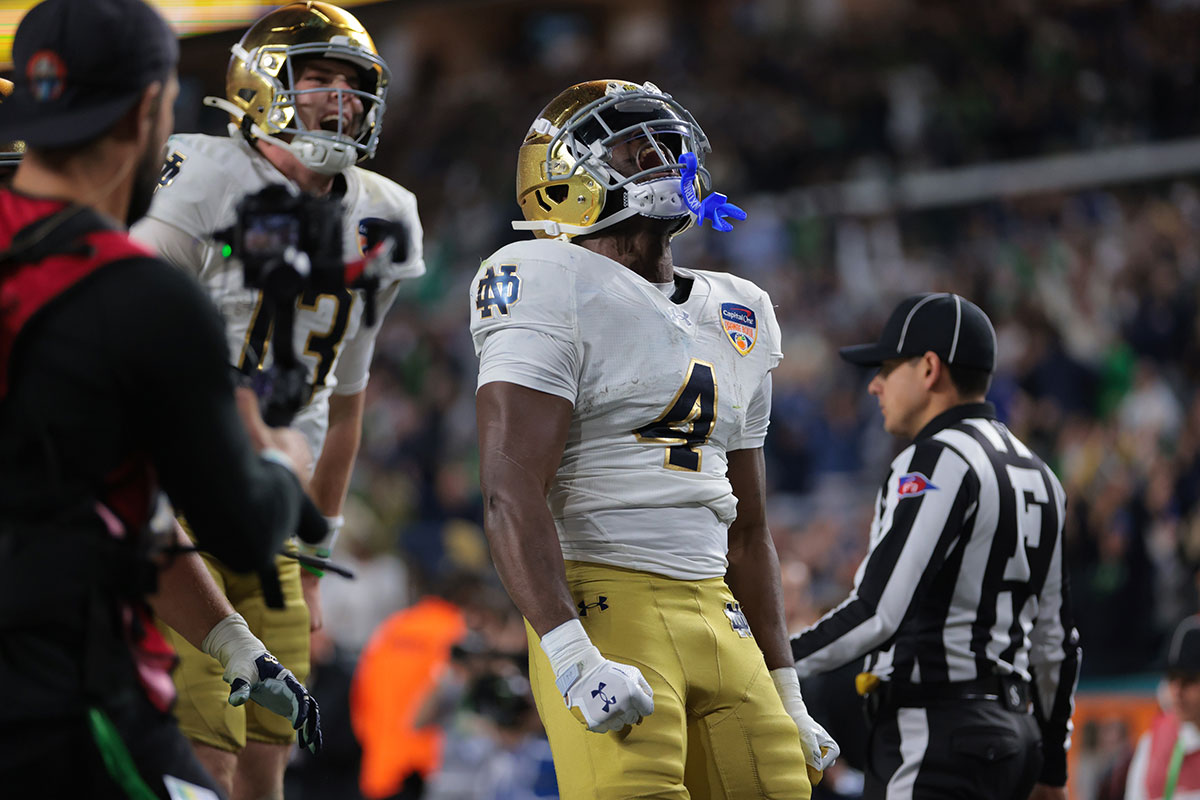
x: 660, y: 198
x: 322, y: 157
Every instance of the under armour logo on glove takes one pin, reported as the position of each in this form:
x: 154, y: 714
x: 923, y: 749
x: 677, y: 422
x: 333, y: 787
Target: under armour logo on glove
x: 601, y: 710
x: 578, y: 665
x: 278, y: 691
x: 605, y: 699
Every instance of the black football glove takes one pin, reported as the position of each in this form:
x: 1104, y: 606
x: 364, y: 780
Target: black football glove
x: 277, y: 690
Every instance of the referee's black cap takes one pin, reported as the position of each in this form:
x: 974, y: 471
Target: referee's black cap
x: 80, y: 65
x: 947, y: 324
x: 1183, y: 658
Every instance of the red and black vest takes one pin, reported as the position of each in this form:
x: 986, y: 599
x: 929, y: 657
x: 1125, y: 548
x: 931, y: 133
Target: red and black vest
x: 40, y: 260
x: 1163, y: 733
x: 48, y: 249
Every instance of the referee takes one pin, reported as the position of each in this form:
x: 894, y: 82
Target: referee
x: 961, y: 606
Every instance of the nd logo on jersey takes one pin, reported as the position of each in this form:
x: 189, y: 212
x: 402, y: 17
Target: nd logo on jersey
x: 740, y: 326
x: 497, y: 291
x: 170, y: 168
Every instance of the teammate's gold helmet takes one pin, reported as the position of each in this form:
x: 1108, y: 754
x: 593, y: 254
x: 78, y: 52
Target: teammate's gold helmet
x: 259, y: 93
x: 566, y: 185
x: 10, y: 152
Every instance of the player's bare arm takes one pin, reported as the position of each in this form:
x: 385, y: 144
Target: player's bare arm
x: 522, y: 433
x: 188, y: 598
x: 331, y: 476
x: 331, y: 480
x: 753, y: 573
x: 753, y: 576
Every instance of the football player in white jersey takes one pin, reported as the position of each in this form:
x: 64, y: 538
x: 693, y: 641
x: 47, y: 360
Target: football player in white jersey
x: 305, y: 90
x: 623, y: 403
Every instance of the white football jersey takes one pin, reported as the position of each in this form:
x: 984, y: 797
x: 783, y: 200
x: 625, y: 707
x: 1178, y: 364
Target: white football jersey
x: 661, y: 392
x: 204, y: 179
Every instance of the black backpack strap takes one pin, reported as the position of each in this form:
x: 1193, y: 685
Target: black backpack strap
x: 61, y: 233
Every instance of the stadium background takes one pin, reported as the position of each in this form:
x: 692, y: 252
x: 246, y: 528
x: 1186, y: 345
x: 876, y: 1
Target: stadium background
x: 1038, y: 158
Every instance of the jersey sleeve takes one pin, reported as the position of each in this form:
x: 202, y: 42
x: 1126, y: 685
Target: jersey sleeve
x: 773, y: 334
x: 758, y: 413
x: 174, y: 245
x: 392, y: 202
x: 414, y: 265
x: 353, y: 368
x: 758, y: 418
x: 192, y: 192
x: 908, y: 544
x: 523, y: 324
x: 1054, y: 659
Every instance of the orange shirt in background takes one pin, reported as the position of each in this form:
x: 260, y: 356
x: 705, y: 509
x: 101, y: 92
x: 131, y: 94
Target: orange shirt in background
x: 398, y: 670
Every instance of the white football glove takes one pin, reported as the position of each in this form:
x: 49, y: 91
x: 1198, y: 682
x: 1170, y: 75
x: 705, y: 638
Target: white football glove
x: 608, y: 694
x: 820, y: 750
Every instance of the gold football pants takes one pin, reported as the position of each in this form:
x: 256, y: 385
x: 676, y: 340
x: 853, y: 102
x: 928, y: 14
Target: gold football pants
x: 718, y: 731
x: 203, y: 708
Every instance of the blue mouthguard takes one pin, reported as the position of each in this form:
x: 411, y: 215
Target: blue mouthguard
x: 714, y: 208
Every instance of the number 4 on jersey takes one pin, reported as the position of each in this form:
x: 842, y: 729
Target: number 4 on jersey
x: 688, y: 421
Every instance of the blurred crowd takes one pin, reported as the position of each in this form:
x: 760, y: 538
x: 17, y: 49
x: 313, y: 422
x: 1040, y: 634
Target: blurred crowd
x: 1094, y: 293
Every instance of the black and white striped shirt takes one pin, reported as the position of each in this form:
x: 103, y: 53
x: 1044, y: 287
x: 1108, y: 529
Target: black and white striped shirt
x: 964, y: 577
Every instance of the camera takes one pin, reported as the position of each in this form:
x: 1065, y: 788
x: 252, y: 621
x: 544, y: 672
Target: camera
x: 497, y: 683
x: 289, y: 242
x: 289, y: 245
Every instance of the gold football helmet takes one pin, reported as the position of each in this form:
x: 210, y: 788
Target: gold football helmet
x: 566, y: 185
x: 259, y: 93
x: 10, y: 152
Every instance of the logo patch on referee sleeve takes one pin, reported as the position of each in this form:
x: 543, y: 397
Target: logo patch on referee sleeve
x: 914, y: 484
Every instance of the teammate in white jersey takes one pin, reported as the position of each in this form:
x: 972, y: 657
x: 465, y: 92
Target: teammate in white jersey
x: 623, y: 403
x: 306, y: 90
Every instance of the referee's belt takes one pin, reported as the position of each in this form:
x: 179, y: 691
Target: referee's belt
x: 1009, y: 690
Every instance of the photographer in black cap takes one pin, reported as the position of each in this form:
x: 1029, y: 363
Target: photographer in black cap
x: 113, y: 384
x: 961, y: 606
x: 1166, y: 763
